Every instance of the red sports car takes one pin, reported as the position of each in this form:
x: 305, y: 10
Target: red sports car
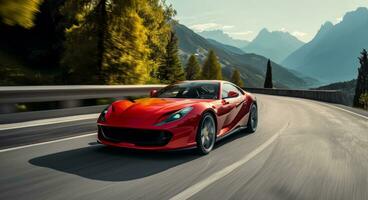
x: 185, y: 115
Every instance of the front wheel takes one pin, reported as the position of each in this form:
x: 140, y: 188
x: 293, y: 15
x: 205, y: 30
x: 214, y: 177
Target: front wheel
x: 206, y: 135
x: 253, y: 119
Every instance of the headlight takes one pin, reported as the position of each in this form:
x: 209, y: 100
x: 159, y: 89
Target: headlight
x: 102, y: 117
x: 176, y: 116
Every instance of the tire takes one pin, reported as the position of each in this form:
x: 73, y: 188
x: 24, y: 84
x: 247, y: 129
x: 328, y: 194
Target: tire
x: 253, y: 119
x: 206, y: 134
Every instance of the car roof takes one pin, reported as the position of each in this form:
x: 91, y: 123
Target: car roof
x: 205, y: 81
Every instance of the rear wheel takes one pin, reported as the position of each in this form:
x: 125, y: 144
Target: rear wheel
x: 253, y: 119
x: 206, y: 135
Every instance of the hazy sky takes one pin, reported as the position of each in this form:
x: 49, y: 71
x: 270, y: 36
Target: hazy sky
x: 243, y: 19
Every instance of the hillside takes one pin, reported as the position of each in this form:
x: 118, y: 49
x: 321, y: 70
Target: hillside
x: 332, y: 55
x: 276, y: 45
x: 226, y: 47
x: 347, y: 87
x: 251, y: 66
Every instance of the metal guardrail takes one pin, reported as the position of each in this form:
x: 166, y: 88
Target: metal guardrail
x: 26, y: 94
x: 70, y: 95
x: 330, y: 96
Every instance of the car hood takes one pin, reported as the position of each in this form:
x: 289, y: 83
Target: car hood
x: 147, y: 111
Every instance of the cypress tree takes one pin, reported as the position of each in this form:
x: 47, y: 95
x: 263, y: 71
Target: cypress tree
x: 362, y: 82
x: 193, y: 70
x: 268, y: 80
x: 212, y: 68
x: 236, y: 79
x: 171, y: 70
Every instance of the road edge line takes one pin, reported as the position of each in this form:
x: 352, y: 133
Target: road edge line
x: 45, y: 122
x: 348, y: 111
x: 48, y: 142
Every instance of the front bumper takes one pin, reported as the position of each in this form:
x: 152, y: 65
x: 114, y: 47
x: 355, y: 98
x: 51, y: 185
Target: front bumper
x: 147, y: 139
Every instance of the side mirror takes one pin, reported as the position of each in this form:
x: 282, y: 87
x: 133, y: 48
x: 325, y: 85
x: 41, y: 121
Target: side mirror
x: 232, y: 94
x: 153, y: 93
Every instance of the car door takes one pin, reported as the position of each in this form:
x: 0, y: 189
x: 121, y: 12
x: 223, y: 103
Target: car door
x: 230, y: 105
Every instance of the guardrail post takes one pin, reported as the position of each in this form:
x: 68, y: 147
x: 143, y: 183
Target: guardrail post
x: 7, y: 108
x: 70, y: 104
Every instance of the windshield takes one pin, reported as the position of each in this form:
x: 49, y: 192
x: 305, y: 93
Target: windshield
x: 193, y: 90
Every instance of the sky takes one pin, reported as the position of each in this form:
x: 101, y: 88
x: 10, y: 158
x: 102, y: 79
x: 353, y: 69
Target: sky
x: 243, y: 19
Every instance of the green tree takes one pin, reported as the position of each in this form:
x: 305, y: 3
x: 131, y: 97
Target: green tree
x: 236, y: 79
x: 171, y: 71
x: 193, y: 69
x: 362, y: 82
x: 19, y: 12
x: 364, y: 100
x: 212, y: 68
x: 268, y: 79
x: 115, y: 42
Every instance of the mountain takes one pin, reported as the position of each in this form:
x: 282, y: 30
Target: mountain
x: 251, y: 66
x: 226, y: 47
x: 332, y: 55
x: 276, y: 45
x: 223, y: 38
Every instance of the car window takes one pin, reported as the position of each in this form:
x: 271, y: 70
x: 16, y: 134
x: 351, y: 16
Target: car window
x: 191, y: 90
x: 226, y: 88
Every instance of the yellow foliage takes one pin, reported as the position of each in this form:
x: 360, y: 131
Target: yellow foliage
x: 134, y: 39
x: 19, y: 12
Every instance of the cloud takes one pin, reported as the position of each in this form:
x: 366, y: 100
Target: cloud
x: 299, y: 34
x: 210, y: 26
x: 339, y: 19
x: 227, y: 27
x: 240, y: 35
x: 283, y: 29
x: 245, y: 33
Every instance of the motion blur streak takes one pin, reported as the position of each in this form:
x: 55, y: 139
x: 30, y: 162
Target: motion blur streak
x: 322, y: 154
x: 189, y: 192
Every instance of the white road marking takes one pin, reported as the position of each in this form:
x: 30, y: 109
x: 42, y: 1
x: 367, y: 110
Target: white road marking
x: 348, y: 111
x: 194, y: 189
x: 44, y: 122
x: 322, y: 103
x: 49, y: 142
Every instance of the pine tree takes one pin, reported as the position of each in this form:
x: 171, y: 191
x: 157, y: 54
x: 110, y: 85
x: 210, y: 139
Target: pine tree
x: 171, y: 71
x: 115, y: 42
x: 102, y: 29
x: 268, y: 79
x: 236, y: 79
x: 212, y: 68
x: 193, y: 69
x: 19, y: 12
x: 362, y: 82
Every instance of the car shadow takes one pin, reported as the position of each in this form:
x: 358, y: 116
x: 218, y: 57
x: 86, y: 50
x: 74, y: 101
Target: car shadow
x: 111, y: 164
x: 103, y: 163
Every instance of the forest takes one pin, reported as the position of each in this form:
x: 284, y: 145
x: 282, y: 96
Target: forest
x: 105, y: 42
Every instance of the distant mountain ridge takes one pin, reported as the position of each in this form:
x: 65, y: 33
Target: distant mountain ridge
x: 226, y: 47
x: 223, y: 38
x: 276, y: 45
x: 332, y: 55
x: 251, y: 66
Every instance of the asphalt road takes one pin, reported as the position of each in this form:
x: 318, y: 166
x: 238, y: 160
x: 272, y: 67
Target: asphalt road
x: 302, y: 150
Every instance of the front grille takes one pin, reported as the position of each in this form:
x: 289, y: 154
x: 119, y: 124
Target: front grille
x: 135, y: 136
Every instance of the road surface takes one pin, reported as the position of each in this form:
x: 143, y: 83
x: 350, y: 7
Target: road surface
x: 302, y: 150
